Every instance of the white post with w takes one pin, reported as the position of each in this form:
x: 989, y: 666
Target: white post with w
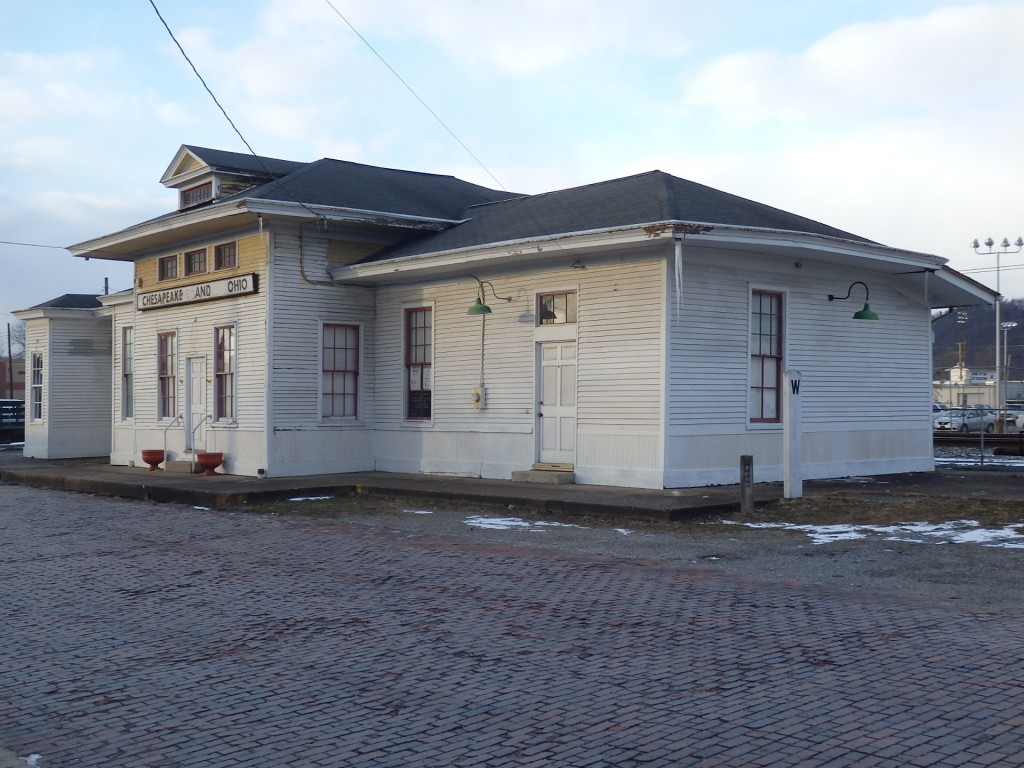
x: 792, y: 437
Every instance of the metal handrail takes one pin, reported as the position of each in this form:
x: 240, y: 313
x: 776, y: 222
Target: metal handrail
x: 196, y: 427
x: 174, y: 421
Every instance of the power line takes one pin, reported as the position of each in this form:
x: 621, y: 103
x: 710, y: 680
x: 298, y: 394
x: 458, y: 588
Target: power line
x: 33, y: 245
x: 415, y: 95
x: 228, y: 117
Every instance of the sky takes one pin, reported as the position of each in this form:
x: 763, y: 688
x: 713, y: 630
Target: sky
x: 899, y: 120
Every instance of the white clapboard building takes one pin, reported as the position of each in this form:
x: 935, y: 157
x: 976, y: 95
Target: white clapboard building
x: 323, y: 317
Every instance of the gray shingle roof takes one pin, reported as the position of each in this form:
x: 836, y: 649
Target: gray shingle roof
x: 220, y: 160
x: 649, y: 197
x: 344, y: 184
x: 71, y: 301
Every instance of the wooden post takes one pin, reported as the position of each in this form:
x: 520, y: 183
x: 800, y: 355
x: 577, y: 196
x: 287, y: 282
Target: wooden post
x: 792, y: 434
x: 746, y: 484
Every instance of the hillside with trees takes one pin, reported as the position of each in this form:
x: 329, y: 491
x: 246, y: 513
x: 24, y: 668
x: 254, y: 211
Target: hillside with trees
x: 975, y: 329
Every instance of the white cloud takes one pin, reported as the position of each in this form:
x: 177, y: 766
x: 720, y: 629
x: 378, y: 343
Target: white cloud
x: 523, y: 38
x: 940, y: 64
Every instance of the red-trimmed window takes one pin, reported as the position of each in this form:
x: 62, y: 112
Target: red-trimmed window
x: 224, y: 387
x: 340, y: 375
x: 195, y: 262
x: 196, y: 195
x: 167, y: 268
x: 167, y: 375
x: 765, y: 356
x: 556, y: 308
x: 225, y: 256
x: 418, y: 358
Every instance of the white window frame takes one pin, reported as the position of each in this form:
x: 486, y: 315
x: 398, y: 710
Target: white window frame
x: 218, y: 417
x: 355, y: 417
x: 403, y: 324
x: 127, y: 372
x: 37, y: 384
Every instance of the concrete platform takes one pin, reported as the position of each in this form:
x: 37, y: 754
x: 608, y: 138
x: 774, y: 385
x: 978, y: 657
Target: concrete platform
x: 99, y: 477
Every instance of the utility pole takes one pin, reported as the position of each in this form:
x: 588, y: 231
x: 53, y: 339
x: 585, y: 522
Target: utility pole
x: 10, y: 365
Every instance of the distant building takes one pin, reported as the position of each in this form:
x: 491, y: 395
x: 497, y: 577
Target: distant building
x: 12, y: 387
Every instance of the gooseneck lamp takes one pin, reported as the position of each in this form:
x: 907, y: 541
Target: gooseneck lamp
x: 865, y: 314
x: 479, y: 307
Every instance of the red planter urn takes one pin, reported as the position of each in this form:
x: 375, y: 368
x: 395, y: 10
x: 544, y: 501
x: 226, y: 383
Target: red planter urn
x: 209, y: 462
x: 153, y: 457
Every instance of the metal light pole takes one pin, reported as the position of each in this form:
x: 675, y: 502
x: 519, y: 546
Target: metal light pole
x: 1006, y: 326
x: 1004, y: 248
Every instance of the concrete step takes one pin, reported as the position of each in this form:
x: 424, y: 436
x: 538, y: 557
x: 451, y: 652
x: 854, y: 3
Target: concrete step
x: 544, y: 477
x: 181, y: 467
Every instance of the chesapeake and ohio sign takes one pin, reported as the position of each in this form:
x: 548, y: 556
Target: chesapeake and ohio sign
x: 208, y: 291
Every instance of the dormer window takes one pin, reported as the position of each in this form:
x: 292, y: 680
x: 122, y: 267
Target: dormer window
x: 196, y: 195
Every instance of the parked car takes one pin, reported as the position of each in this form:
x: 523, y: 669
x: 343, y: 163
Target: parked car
x: 965, y: 420
x: 938, y: 408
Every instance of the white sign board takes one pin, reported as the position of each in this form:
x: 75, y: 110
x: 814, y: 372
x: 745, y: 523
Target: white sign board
x: 240, y: 285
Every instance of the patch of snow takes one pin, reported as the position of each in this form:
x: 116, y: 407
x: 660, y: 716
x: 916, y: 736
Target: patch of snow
x: 310, y: 498
x: 623, y: 531
x: 950, y: 532
x: 204, y: 509
x: 33, y: 759
x: 418, y: 511
x: 513, y: 523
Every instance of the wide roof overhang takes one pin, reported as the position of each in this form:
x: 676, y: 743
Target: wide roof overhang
x: 911, y: 271
x: 209, y: 221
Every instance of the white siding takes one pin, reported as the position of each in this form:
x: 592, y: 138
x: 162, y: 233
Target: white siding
x: 302, y: 443
x: 619, y: 337
x: 868, y: 381
x: 76, y: 385
x: 37, y: 341
x: 242, y: 441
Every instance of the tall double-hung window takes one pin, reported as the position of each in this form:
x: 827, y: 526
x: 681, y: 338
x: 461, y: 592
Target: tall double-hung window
x: 37, y: 386
x: 224, y: 373
x: 418, y: 360
x: 127, y: 372
x: 167, y: 375
x: 339, y: 395
x: 765, y: 356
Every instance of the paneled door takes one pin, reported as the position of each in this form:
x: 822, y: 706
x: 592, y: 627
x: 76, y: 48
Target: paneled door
x: 556, y: 409
x: 195, y: 399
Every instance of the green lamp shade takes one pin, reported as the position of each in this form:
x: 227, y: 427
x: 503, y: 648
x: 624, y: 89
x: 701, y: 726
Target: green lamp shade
x: 479, y: 308
x: 864, y: 314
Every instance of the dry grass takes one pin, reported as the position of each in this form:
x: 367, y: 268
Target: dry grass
x: 830, y: 509
x: 882, y: 510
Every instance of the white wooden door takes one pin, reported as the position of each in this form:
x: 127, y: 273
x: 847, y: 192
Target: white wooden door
x: 195, y: 399
x: 556, y: 411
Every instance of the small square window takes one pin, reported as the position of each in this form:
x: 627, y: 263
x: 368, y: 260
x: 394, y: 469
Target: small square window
x: 556, y: 308
x: 195, y: 262
x: 168, y: 268
x: 225, y: 256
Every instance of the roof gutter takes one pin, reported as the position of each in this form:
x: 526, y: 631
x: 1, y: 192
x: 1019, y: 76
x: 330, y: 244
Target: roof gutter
x: 548, y: 246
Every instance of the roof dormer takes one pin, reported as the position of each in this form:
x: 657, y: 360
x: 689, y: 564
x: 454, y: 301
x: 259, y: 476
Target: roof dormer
x: 204, y: 175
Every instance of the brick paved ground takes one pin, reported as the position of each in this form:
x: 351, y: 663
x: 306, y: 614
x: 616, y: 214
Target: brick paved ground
x: 155, y: 635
